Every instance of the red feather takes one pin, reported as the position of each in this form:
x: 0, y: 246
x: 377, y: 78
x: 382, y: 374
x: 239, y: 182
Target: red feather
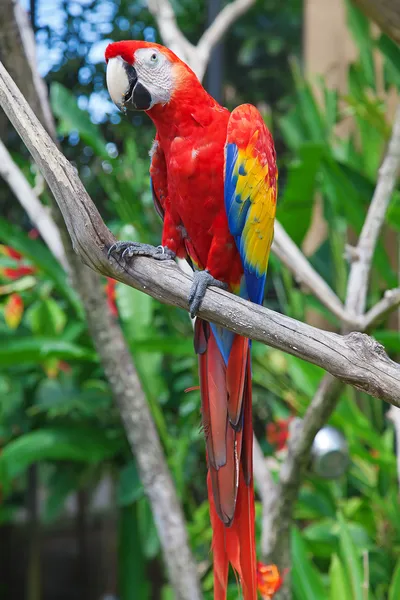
x: 229, y: 450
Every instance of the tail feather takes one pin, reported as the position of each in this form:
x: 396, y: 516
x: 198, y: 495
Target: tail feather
x: 226, y: 408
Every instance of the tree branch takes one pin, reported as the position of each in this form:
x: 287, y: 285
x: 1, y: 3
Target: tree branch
x: 198, y: 56
x: 361, y: 266
x: 377, y: 313
x: 394, y: 415
x: 172, y: 36
x: 386, y: 13
x: 37, y: 213
x: 355, y: 358
x: 275, y: 535
x: 218, y: 28
x: 18, y: 42
x: 291, y: 256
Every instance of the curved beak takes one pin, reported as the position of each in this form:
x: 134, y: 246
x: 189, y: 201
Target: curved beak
x: 124, y: 88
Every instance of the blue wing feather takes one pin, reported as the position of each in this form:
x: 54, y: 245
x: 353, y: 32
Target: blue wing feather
x: 250, y: 195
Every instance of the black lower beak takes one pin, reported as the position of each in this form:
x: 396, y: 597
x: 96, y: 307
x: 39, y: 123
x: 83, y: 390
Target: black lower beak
x: 137, y: 96
x: 132, y: 79
x: 141, y: 97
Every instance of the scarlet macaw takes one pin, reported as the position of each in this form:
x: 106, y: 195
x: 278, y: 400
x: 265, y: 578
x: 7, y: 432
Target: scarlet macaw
x: 214, y: 182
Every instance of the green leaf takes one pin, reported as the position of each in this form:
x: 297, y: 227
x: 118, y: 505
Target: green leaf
x: 351, y: 559
x: 46, y: 317
x: 57, y: 443
x: 306, y: 377
x: 393, y: 213
x: 394, y: 590
x: 62, y: 483
x: 19, y: 285
x: 389, y: 339
x: 130, y: 488
x: 38, y: 349
x: 165, y: 345
x: 42, y: 258
x: 298, y: 196
x: 60, y: 398
x: 307, y: 582
x: 360, y: 29
x: 72, y: 118
x: 391, y: 51
x: 133, y: 583
x: 149, y: 537
x: 321, y: 538
x: 339, y: 588
x: 309, y: 110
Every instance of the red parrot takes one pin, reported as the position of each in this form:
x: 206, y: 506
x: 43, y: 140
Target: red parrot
x: 214, y: 182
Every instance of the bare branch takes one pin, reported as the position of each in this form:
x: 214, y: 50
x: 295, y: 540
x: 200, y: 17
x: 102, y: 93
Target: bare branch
x: 198, y: 56
x: 290, y: 255
x: 394, y: 415
x: 377, y: 313
x: 275, y: 538
x: 360, y: 269
x: 37, y: 213
x: 172, y: 36
x: 218, y: 28
x: 262, y: 475
x: 355, y: 358
x: 386, y: 13
x: 17, y: 41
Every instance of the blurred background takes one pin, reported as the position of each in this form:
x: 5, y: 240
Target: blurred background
x: 74, y: 521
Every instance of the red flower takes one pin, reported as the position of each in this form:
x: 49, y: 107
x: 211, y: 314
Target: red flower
x: 111, y: 296
x: 17, y: 273
x: 269, y: 580
x: 278, y: 432
x: 14, y: 272
x: 13, y: 310
x: 8, y: 251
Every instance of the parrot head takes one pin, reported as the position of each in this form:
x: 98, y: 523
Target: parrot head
x: 141, y: 75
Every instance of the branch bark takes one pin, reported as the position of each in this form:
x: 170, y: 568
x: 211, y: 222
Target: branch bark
x: 356, y: 358
x: 361, y: 266
x: 37, y: 213
x: 291, y: 256
x: 198, y: 56
x: 385, y: 13
x: 276, y: 527
x: 218, y: 28
x: 108, y: 339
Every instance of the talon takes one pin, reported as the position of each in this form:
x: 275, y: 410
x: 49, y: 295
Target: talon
x: 201, y: 281
x: 129, y: 249
x: 111, y: 249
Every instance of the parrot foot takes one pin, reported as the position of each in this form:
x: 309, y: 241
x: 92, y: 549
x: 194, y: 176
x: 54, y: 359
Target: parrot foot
x: 127, y: 250
x: 201, y: 281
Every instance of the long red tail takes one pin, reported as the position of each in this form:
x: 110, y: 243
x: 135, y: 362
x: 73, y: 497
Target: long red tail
x: 227, y: 421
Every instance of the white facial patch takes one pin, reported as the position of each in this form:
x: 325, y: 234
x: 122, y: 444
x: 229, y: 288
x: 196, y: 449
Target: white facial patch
x: 117, y: 80
x: 154, y: 71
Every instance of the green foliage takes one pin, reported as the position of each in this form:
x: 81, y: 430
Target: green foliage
x: 77, y: 444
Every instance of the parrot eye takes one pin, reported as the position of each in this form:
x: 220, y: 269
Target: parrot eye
x: 153, y: 57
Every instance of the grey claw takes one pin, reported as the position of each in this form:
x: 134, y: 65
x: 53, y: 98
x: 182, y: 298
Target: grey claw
x: 129, y: 249
x: 201, y: 281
